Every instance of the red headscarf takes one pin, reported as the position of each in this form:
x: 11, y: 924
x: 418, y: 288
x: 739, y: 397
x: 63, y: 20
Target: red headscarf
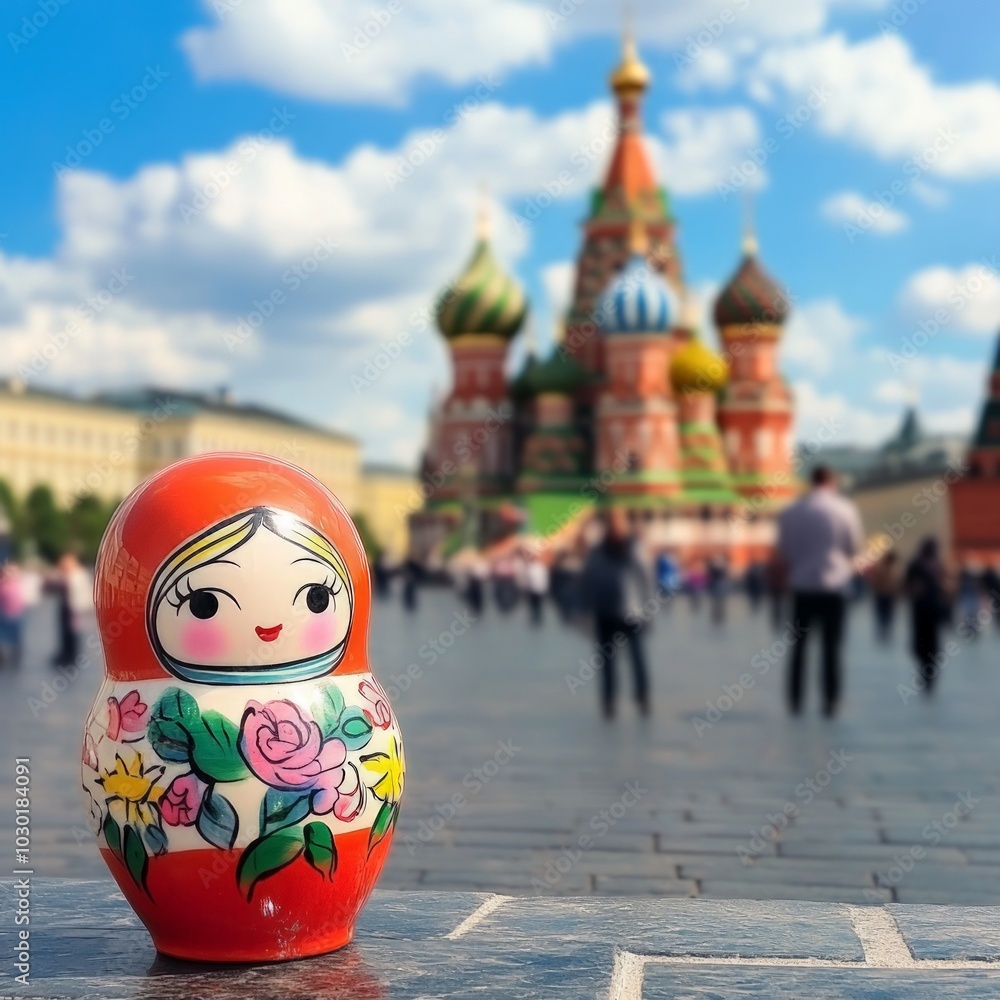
x: 187, y: 498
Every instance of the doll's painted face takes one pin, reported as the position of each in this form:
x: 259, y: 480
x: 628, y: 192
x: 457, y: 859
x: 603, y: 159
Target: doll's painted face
x: 259, y: 598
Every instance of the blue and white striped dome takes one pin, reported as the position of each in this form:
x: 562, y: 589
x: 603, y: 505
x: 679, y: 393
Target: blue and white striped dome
x: 638, y: 300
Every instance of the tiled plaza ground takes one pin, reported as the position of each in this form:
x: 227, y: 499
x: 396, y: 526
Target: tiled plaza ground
x: 515, y: 785
x: 87, y: 944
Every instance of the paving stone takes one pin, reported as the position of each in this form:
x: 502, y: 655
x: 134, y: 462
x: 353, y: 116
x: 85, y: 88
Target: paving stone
x: 969, y: 932
x: 698, y: 927
x: 772, y: 889
x: 702, y: 982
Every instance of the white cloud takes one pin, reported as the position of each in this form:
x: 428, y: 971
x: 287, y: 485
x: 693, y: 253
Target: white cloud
x: 702, y: 145
x: 962, y: 299
x: 878, y: 97
x: 849, y: 208
x: 336, y: 50
x: 833, y: 419
x: 820, y: 337
x: 930, y: 194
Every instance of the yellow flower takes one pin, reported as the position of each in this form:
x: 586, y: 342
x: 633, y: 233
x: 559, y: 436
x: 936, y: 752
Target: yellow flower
x: 390, y: 768
x: 135, y: 787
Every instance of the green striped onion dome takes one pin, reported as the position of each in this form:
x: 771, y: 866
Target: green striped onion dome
x: 483, y: 299
x: 751, y: 296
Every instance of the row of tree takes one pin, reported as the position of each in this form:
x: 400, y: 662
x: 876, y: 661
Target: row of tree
x: 38, y: 525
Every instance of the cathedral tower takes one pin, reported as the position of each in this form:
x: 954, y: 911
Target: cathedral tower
x: 756, y: 408
x: 478, y: 314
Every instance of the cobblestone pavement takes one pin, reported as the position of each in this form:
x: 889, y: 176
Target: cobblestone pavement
x: 86, y: 943
x: 515, y: 785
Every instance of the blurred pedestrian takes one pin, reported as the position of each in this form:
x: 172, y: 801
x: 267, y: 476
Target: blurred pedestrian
x: 73, y: 589
x: 818, y: 537
x: 536, y: 577
x: 776, y: 576
x: 695, y: 582
x: 885, y: 584
x: 564, y: 584
x: 668, y: 574
x: 755, y: 582
x: 475, y: 586
x: 411, y: 574
x: 381, y: 575
x: 13, y: 604
x: 991, y: 588
x: 615, y: 587
x: 927, y: 590
x: 718, y: 587
x: 505, y: 582
x: 969, y: 599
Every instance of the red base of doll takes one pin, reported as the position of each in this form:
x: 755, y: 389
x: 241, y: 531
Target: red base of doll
x: 194, y: 909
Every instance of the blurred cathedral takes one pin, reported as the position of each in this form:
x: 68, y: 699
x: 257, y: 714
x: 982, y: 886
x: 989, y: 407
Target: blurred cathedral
x: 631, y: 407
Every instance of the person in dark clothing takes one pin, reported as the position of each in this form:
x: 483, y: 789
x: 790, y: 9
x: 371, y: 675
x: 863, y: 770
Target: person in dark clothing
x: 929, y: 610
x: 991, y: 587
x: 614, y: 588
x: 754, y: 582
x: 381, y: 576
x: 885, y: 588
x: 412, y: 572
x: 718, y: 587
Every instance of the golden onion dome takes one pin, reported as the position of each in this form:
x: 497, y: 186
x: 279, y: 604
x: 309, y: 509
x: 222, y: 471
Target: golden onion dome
x: 698, y: 368
x: 631, y: 74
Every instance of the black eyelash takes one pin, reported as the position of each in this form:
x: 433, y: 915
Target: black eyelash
x: 181, y: 598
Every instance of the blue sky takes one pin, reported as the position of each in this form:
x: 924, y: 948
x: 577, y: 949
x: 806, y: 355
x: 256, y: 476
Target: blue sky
x: 130, y: 148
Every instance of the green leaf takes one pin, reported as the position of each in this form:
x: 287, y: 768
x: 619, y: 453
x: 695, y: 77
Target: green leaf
x: 383, y: 824
x: 267, y: 855
x: 321, y: 851
x: 171, y: 741
x: 355, y: 729
x: 327, y: 710
x: 177, y: 705
x: 171, y: 722
x: 215, y: 755
x: 156, y: 839
x: 217, y: 821
x: 280, y: 809
x: 136, y: 860
x: 113, y: 835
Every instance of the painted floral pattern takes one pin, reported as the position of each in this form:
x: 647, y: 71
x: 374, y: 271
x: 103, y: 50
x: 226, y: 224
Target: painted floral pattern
x: 176, y: 766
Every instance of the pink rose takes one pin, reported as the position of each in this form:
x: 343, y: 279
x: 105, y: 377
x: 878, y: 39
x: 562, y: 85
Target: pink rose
x: 127, y: 715
x: 180, y: 803
x: 285, y: 749
x: 381, y: 715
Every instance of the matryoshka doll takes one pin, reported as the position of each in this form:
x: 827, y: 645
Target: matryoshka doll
x: 242, y: 765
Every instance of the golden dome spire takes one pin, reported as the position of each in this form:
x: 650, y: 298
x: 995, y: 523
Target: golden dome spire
x: 749, y: 236
x: 631, y: 75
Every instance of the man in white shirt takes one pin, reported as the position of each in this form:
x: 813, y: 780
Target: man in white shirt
x: 818, y: 537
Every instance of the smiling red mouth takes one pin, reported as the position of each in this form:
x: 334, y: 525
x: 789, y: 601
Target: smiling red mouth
x: 268, y: 634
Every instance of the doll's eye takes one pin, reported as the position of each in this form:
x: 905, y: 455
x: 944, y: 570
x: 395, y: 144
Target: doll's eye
x: 318, y: 598
x: 203, y: 603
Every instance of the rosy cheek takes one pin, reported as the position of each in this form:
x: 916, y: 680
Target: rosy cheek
x: 202, y: 641
x: 319, y: 634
